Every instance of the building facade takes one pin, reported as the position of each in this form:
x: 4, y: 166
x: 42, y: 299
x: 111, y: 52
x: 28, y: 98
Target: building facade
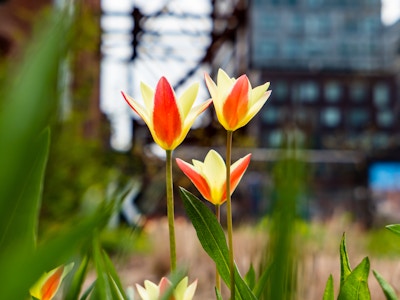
x: 333, y: 68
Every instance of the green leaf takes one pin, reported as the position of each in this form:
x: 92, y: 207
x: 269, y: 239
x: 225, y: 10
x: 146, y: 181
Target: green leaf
x: 250, y: 277
x: 329, y: 293
x: 20, y: 268
x: 112, y: 273
x: 21, y: 218
x: 75, y: 287
x: 355, y: 286
x: 107, y: 286
x: 389, y: 292
x: 212, y: 239
x: 218, y: 294
x: 345, y: 269
x: 262, y: 282
x: 395, y: 228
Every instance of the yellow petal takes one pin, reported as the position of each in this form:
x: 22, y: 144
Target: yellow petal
x: 254, y: 109
x: 148, y: 97
x: 187, y: 99
x: 214, y: 171
x: 258, y: 92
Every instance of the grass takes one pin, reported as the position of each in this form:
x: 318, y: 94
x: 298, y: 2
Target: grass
x: 317, y: 244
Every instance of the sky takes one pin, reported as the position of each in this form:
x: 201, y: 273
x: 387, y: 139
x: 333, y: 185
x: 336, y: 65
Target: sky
x: 390, y: 11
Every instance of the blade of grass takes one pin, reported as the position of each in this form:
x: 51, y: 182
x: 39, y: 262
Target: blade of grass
x: 329, y: 291
x: 345, y: 269
x: 388, y: 290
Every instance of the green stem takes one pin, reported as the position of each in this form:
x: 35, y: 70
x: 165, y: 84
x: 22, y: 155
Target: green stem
x: 229, y: 210
x: 217, y: 276
x: 170, y: 209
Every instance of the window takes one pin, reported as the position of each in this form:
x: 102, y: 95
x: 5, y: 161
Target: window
x: 281, y: 90
x: 358, y: 117
x: 296, y: 24
x: 308, y: 92
x: 333, y: 91
x: 385, y: 118
x: 275, y: 138
x: 270, y: 115
x: 381, y: 95
x: 330, y: 117
x: 358, y: 92
x: 267, y: 49
x: 291, y: 49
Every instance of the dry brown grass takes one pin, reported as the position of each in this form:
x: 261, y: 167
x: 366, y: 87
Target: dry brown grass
x: 317, y: 245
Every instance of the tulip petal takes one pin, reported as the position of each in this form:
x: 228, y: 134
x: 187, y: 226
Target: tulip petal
x: 167, y: 123
x: 148, y: 96
x: 236, y: 104
x: 187, y: 99
x: 51, y: 285
x: 181, y: 288
x: 195, y: 177
x: 214, y: 171
x: 191, y: 289
x: 258, y: 92
x: 152, y: 290
x: 254, y: 109
x: 142, y: 292
x: 164, y: 285
x: 237, y: 171
x: 137, y: 108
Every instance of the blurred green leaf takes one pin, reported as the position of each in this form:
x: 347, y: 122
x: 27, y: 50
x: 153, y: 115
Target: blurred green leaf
x: 75, y: 287
x: 20, y: 268
x: 345, y: 269
x: 355, y: 286
x: 20, y: 221
x: 250, y: 277
x: 108, y: 285
x: 389, y: 292
x: 395, y: 228
x: 212, y: 239
x: 262, y: 281
x: 329, y: 293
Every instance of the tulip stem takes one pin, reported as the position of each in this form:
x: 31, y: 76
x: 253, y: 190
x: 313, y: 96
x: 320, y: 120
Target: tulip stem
x: 229, y: 210
x: 217, y: 276
x: 170, y: 209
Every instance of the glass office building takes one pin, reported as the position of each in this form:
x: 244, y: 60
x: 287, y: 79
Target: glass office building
x: 333, y: 69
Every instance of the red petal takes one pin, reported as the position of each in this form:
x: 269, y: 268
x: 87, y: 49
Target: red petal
x: 236, y: 104
x: 199, y: 182
x: 236, y: 175
x: 238, y: 172
x: 166, y: 118
x: 50, y: 286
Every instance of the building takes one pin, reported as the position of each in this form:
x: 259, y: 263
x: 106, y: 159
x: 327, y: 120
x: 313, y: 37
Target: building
x: 333, y: 68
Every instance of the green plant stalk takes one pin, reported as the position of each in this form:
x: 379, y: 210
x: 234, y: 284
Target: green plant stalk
x: 229, y: 210
x: 170, y: 209
x: 217, y: 276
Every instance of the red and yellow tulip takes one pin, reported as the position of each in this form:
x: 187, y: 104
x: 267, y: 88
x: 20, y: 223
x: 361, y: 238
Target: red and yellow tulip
x: 235, y: 101
x: 169, y: 119
x: 209, y: 176
x: 47, y: 286
x: 182, y: 291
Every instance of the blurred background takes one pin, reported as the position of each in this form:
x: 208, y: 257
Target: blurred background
x: 334, y: 72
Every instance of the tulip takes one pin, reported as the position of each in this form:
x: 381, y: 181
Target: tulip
x: 168, y: 119
x: 210, y: 177
x: 182, y: 291
x: 235, y: 101
x: 47, y: 286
